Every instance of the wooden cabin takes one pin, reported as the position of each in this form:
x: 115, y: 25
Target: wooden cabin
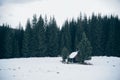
x: 73, y: 57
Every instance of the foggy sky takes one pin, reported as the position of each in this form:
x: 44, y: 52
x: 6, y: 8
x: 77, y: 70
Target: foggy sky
x: 15, y: 11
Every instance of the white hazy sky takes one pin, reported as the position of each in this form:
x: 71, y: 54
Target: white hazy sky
x: 15, y: 11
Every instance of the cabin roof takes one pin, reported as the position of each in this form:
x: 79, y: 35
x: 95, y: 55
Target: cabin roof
x: 73, y: 54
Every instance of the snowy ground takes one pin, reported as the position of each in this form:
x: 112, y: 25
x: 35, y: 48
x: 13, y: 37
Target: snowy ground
x: 103, y: 68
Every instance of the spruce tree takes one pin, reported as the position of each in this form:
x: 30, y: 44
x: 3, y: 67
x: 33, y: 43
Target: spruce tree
x: 40, y: 38
x: 65, y: 54
x: 79, y: 31
x: 52, y: 38
x: 72, y: 33
x: 2, y: 41
x: 110, y: 46
x: 27, y: 40
x: 15, y: 44
x: 20, y: 39
x: 34, y: 36
x: 8, y: 43
x: 84, y: 48
x: 65, y: 37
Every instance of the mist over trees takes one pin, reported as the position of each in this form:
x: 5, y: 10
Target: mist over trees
x: 43, y: 37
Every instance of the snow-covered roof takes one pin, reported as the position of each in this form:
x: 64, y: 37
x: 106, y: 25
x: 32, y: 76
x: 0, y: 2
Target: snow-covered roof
x: 73, y: 54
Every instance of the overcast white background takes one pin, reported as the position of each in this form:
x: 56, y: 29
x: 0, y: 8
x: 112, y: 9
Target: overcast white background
x: 14, y: 11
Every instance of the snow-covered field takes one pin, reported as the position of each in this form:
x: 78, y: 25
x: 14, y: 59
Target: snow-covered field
x: 102, y: 68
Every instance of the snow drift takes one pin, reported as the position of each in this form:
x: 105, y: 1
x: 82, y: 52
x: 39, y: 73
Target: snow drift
x: 102, y: 68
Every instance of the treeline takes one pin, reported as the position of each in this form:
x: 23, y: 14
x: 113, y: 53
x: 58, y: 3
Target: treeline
x: 43, y: 37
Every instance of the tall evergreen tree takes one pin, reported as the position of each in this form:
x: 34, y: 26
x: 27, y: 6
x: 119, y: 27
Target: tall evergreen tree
x: 65, y: 37
x: 20, y: 40
x: 2, y: 41
x: 84, y: 48
x: 9, y: 43
x: 40, y: 37
x: 27, y: 40
x: 52, y: 38
x: 73, y: 32
x: 79, y: 31
x: 110, y: 46
x: 117, y: 37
